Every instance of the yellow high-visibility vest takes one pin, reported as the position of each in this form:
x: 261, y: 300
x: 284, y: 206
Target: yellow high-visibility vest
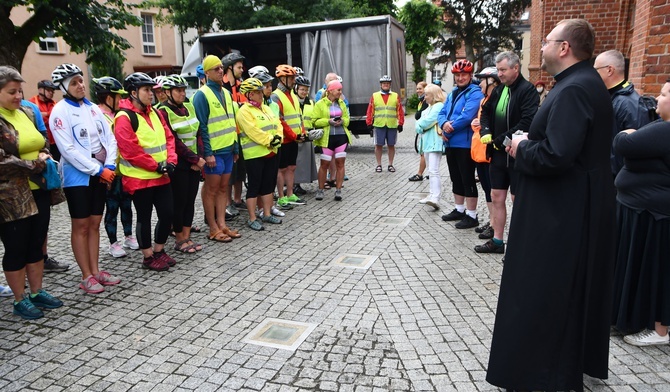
x: 186, y: 127
x: 385, y: 113
x: 292, y: 114
x: 221, y: 122
x: 151, y: 140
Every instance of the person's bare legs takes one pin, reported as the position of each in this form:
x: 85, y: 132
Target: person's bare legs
x: 323, y: 169
x: 281, y: 178
x: 221, y: 201
x: 422, y: 165
x: 80, y: 245
x: 94, y: 244
x: 498, y: 198
x: 378, y: 154
x: 339, y: 162
x: 209, y: 193
x: 391, y: 154
x: 289, y: 178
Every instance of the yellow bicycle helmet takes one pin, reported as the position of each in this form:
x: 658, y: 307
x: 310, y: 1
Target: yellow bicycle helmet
x: 251, y: 84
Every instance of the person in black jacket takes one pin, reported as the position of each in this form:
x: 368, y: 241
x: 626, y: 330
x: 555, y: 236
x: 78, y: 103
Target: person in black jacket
x: 512, y: 106
x: 422, y: 106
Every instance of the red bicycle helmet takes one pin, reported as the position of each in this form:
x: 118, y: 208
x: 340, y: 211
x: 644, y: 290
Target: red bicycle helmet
x: 462, y: 66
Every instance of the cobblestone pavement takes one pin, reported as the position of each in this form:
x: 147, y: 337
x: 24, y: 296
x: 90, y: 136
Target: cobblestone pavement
x: 419, y: 318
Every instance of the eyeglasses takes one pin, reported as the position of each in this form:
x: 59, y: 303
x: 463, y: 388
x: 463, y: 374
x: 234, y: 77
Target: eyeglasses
x: 604, y: 66
x: 545, y: 42
x: 219, y: 68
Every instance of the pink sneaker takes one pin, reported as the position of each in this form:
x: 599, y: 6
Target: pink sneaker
x: 91, y: 285
x: 107, y: 279
x: 155, y: 263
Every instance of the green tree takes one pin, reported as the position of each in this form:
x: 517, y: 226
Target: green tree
x: 86, y: 25
x: 422, y: 20
x: 482, y: 27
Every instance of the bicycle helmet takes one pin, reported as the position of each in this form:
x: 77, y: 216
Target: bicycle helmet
x: 65, y: 71
x: 108, y: 85
x: 136, y: 80
x: 251, y: 84
x: 199, y: 72
x: 437, y: 82
x: 230, y: 59
x: 385, y: 78
x: 299, y: 71
x: 46, y: 84
x: 253, y: 71
x: 284, y: 70
x: 302, y: 81
x: 174, y: 81
x: 462, y: 66
x: 158, y: 80
x: 264, y: 77
x: 488, y: 72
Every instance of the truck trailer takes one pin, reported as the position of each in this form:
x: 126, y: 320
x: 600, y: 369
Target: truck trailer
x: 360, y: 50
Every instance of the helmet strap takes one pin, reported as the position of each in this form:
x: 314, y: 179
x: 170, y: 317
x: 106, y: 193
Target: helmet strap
x: 136, y: 99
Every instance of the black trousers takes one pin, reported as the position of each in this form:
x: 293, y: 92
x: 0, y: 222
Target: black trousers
x: 145, y: 200
x: 184, y: 185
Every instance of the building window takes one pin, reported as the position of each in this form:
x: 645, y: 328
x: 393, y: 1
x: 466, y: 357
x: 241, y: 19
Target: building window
x: 49, y: 44
x: 437, y: 74
x: 148, y: 34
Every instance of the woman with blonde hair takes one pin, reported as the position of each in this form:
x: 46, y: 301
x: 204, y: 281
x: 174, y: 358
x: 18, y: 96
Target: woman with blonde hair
x: 430, y: 144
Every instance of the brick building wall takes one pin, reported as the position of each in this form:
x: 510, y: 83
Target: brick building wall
x: 638, y: 29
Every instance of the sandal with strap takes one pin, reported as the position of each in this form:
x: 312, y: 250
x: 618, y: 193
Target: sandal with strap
x: 416, y: 177
x: 219, y: 236
x: 255, y: 225
x: 391, y: 168
x: 378, y: 169
x: 195, y: 245
x: 231, y: 233
x: 196, y: 229
x: 179, y: 246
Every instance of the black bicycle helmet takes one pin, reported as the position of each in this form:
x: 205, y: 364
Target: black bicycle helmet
x: 302, y: 81
x: 136, y: 80
x: 264, y: 77
x: 230, y: 59
x: 108, y: 85
x: 46, y: 84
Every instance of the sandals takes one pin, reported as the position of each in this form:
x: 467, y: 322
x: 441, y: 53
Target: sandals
x: 391, y: 168
x: 195, y: 245
x: 219, y: 236
x: 416, y: 177
x: 378, y: 169
x: 179, y: 246
x: 255, y: 225
x: 196, y: 229
x: 231, y: 233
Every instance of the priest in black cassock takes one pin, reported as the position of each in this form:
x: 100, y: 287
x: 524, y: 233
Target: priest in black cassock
x: 552, y: 322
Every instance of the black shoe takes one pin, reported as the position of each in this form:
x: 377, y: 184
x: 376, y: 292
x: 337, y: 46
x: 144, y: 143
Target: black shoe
x: 486, y: 234
x: 467, y: 222
x: 483, y: 227
x: 490, y: 247
x: 297, y: 189
x: 53, y: 265
x: 453, y: 215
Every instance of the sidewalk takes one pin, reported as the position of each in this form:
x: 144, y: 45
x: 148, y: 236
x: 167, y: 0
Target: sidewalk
x: 418, y: 318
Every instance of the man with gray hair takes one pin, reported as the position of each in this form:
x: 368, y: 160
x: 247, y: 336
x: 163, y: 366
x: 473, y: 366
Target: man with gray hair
x: 512, y: 106
x: 628, y: 114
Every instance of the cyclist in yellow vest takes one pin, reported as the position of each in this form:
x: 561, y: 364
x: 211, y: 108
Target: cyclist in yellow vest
x: 260, y: 136
x: 294, y: 132
x: 386, y: 116
x: 216, y: 110
x: 179, y: 114
x: 305, y: 171
x: 109, y: 92
x: 148, y: 156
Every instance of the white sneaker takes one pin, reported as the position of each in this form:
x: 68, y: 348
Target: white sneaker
x: 648, y: 337
x: 433, y: 203
x: 131, y: 242
x: 275, y: 211
x: 424, y: 201
x: 116, y: 250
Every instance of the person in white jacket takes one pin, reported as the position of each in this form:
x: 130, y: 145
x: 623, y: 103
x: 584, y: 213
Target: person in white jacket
x: 88, y: 161
x: 431, y: 145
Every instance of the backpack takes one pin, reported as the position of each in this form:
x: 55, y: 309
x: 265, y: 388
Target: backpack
x: 647, y: 105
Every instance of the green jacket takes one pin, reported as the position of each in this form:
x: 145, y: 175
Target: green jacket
x: 321, y: 116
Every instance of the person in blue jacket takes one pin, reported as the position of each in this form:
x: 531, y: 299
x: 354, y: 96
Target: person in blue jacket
x: 454, y: 120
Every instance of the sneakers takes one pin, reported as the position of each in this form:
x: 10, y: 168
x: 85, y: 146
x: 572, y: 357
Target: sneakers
x: 490, y: 247
x: 284, y: 204
x: 116, y: 250
x: 107, y: 279
x: 453, y: 215
x: 434, y: 204
x: 240, y: 205
x: 91, y: 285
x: 294, y: 199
x: 255, y: 225
x: 275, y: 211
x: 232, y: 210
x: 338, y: 194
x: 27, y: 310
x: 166, y: 258
x: 53, y: 265
x: 271, y: 219
x: 648, y: 337
x: 45, y: 300
x: 155, y: 263
x: 6, y: 291
x: 483, y: 227
x: 131, y: 243
x: 486, y: 234
x: 297, y: 189
x: 319, y: 194
x: 467, y: 222
x: 424, y: 201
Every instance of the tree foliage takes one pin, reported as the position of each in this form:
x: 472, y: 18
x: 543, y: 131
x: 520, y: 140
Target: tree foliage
x: 482, y: 27
x: 422, y: 20
x: 208, y: 15
x: 86, y: 25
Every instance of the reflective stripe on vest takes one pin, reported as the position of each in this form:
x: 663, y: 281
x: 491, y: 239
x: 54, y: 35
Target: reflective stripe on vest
x: 307, y: 110
x: 385, y: 113
x: 291, y: 111
x: 152, y: 141
x: 186, y: 127
x: 221, y: 122
x: 266, y: 122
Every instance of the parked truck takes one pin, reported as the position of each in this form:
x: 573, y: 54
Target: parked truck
x: 360, y: 50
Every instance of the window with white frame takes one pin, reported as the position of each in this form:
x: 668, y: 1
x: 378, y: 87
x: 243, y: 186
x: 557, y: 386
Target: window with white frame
x: 49, y: 43
x: 148, y: 34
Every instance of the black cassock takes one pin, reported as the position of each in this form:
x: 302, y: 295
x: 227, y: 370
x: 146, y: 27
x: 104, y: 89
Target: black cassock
x: 553, y: 319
